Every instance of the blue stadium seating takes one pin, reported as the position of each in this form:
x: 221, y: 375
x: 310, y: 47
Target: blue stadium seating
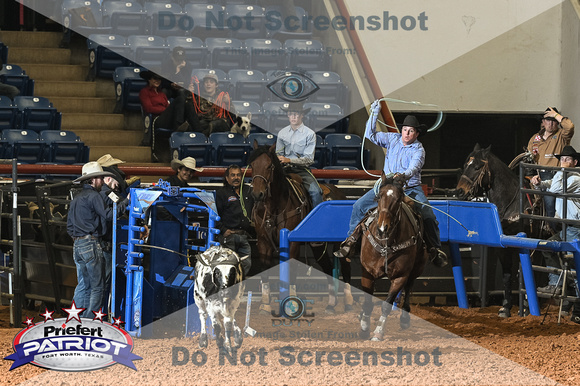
x: 273, y: 12
x: 196, y: 52
x: 203, y: 15
x: 276, y: 118
x: 128, y: 84
x: 325, y: 118
x: 24, y: 145
x: 265, y: 54
x: 227, y: 53
x: 191, y: 145
x: 262, y: 138
x: 343, y: 150
x: 166, y: 19
x: 331, y: 89
x: 229, y: 148
x: 83, y: 25
x: 236, y: 15
x: 14, y: 75
x: 106, y: 52
x: 63, y: 147
x: 258, y: 121
x: 8, y: 113
x: 247, y: 85
x: 124, y: 17
x: 308, y: 55
x: 147, y: 51
x: 36, y: 114
x: 319, y: 153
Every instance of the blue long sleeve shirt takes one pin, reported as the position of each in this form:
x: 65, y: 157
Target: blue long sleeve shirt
x: 298, y: 145
x: 407, y: 160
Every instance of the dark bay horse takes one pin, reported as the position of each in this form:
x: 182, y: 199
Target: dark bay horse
x: 483, y: 172
x: 394, y: 235
x: 282, y: 202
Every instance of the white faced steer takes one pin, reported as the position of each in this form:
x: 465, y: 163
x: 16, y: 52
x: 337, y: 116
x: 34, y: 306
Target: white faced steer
x: 217, y: 292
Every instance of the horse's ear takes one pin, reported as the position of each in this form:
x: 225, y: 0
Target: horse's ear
x: 477, y: 147
x: 256, y: 144
x: 488, y: 149
x: 383, y: 177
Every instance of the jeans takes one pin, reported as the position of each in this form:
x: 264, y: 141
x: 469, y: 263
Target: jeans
x: 239, y: 243
x: 309, y: 182
x: 552, y: 260
x: 367, y: 202
x: 108, y: 259
x: 88, y: 257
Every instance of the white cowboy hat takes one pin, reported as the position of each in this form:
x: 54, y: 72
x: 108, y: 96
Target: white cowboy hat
x: 92, y: 170
x: 188, y: 162
x: 109, y: 160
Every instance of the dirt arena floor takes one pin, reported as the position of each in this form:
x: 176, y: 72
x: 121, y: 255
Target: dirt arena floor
x: 444, y: 346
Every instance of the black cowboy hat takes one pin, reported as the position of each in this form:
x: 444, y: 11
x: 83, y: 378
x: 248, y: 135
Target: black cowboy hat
x: 550, y: 118
x: 568, y: 151
x: 411, y: 120
x: 295, y: 107
x: 147, y: 74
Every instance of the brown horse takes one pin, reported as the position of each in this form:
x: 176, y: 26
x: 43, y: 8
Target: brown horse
x: 392, y: 233
x: 283, y: 202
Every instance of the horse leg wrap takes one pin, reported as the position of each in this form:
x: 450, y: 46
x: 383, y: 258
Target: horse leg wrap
x: 379, y: 331
x: 365, y: 322
x: 265, y: 303
x: 331, y: 295
x: 348, y: 299
x: 292, y: 289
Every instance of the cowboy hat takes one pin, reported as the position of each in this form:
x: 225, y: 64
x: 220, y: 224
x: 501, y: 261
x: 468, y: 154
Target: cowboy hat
x: 147, y: 74
x: 295, y: 107
x: 412, y: 121
x: 109, y: 160
x: 568, y: 151
x: 188, y: 162
x: 92, y: 170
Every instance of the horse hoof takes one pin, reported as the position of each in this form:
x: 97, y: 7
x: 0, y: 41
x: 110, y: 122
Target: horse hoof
x: 376, y: 338
x: 329, y: 310
x: 238, y: 339
x: 348, y: 308
x: 504, y: 312
x: 265, y: 309
x: 364, y: 334
x: 405, y: 325
x: 203, y: 341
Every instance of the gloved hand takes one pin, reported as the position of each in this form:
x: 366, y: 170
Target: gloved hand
x: 376, y: 107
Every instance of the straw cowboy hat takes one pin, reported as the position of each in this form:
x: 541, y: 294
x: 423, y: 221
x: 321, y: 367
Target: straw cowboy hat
x: 92, y: 170
x: 568, y: 151
x: 295, y: 107
x: 109, y: 160
x: 188, y: 162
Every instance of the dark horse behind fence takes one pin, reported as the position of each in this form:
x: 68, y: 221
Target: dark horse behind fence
x: 395, y: 235
x: 483, y: 173
x: 283, y: 202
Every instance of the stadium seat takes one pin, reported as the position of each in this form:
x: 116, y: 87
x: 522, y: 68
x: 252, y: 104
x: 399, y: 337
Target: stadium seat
x: 148, y: 51
x: 331, y: 89
x: 224, y: 80
x: 3, y: 52
x: 229, y: 148
x: 166, y: 19
x: 128, y: 84
x: 191, y: 145
x: 247, y: 85
x: 106, y: 52
x: 203, y: 15
x: 14, y: 75
x: 242, y: 108
x: 319, y: 153
x: 23, y: 145
x: 276, y: 118
x: 308, y: 55
x: 325, y: 118
x: 63, y: 147
x: 343, y: 150
x: 124, y: 17
x: 262, y: 138
x: 226, y: 53
x: 195, y: 51
x: 236, y: 14
x: 8, y: 113
x: 273, y: 12
x: 265, y: 54
x: 36, y: 114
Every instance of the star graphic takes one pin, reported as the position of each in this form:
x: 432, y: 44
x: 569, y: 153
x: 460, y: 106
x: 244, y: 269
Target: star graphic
x: 47, y: 315
x: 117, y: 322
x: 29, y: 322
x: 73, y: 312
x: 99, y: 314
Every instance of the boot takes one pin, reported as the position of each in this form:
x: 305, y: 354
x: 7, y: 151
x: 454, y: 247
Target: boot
x: 345, y: 247
x: 438, y: 257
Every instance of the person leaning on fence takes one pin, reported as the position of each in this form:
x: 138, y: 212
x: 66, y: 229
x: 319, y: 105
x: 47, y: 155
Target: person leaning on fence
x: 569, y: 158
x: 234, y: 204
x: 556, y: 131
x: 406, y: 156
x: 87, y: 221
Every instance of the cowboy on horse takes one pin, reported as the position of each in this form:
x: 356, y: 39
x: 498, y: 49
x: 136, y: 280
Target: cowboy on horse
x: 405, y: 156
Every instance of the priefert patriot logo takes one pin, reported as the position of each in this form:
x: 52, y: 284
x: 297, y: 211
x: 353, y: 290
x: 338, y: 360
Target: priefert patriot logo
x: 73, y: 343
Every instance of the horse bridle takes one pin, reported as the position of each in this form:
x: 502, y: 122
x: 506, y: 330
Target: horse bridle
x: 477, y: 182
x: 266, y: 180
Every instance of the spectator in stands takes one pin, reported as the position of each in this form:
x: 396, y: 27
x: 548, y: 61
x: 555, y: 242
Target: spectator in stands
x: 295, y: 148
x: 548, y: 141
x: 179, y: 115
x: 114, y: 190
x: 214, y: 107
x: 568, y: 158
x: 234, y: 205
x: 177, y: 73
x: 185, y: 170
x: 86, y: 224
x: 6, y: 89
x: 405, y: 155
